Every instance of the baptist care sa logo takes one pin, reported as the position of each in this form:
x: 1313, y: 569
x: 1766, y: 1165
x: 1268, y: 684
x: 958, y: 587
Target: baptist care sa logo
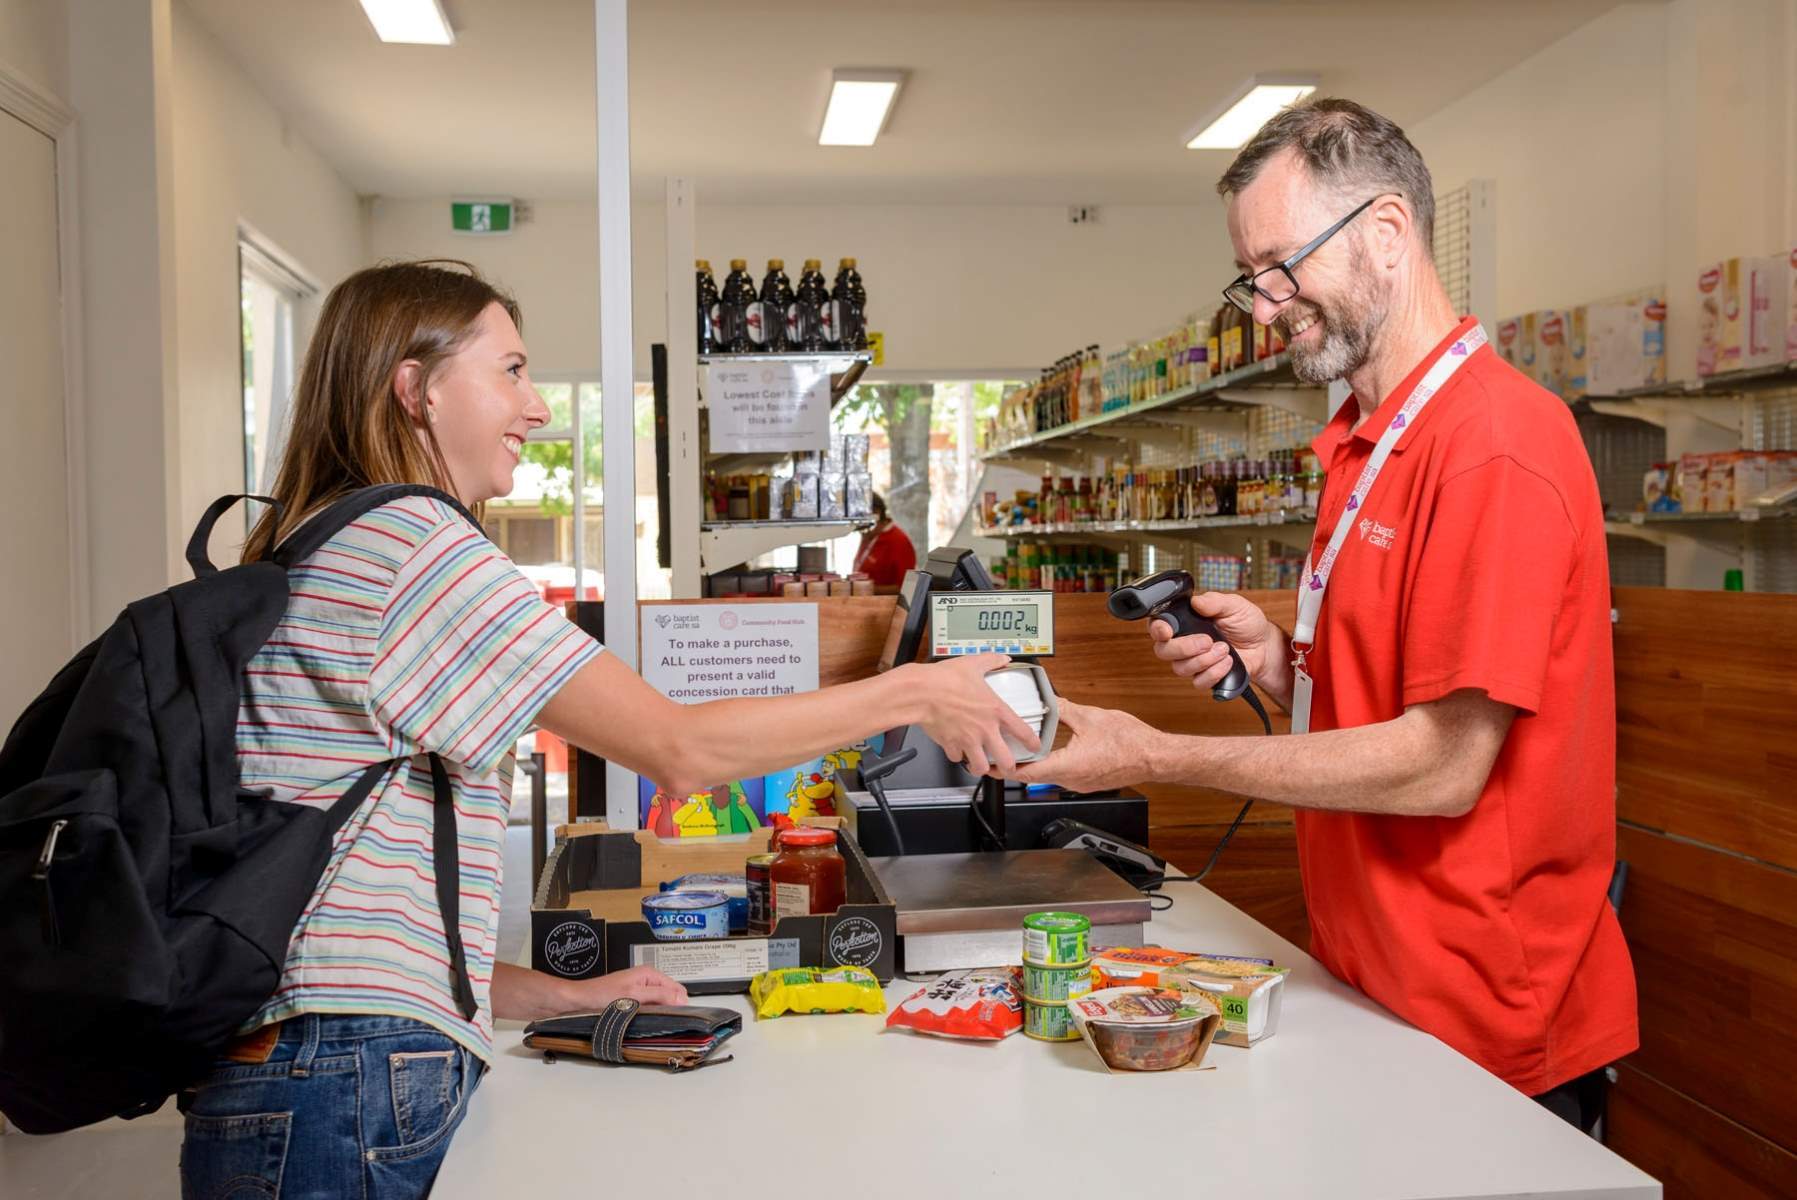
x: 856, y: 942
x: 1379, y: 535
x: 571, y: 949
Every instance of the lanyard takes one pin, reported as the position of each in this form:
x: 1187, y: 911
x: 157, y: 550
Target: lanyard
x: 1310, y: 591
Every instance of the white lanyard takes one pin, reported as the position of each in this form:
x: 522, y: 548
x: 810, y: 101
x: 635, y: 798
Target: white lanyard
x: 1313, y: 582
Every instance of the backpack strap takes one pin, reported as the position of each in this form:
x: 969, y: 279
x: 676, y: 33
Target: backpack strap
x: 308, y: 538
x: 446, y: 863
x: 197, y: 558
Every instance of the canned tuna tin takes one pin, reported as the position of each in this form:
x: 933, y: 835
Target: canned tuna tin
x: 687, y: 916
x: 1056, y: 939
x: 1055, y: 985
x: 1048, y: 1022
x: 761, y: 895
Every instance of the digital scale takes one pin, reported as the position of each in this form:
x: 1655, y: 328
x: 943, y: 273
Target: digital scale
x: 991, y: 623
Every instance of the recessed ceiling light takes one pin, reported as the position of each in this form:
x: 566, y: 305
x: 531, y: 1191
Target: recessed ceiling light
x: 414, y: 22
x: 1240, y: 117
x: 860, y: 103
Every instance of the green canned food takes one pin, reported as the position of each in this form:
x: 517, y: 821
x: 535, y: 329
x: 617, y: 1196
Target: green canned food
x: 1055, y: 985
x: 1048, y: 1022
x: 1056, y: 939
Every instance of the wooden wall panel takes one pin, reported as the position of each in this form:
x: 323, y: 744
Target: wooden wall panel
x: 1258, y: 873
x: 1714, y: 941
x: 1695, y: 1152
x: 1706, y: 718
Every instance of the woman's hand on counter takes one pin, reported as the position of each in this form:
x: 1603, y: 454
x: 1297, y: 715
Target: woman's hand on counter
x: 1109, y: 749
x: 520, y: 994
x: 964, y: 716
x: 645, y: 985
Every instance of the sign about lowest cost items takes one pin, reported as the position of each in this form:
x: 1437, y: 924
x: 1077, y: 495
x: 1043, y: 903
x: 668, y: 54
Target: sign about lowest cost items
x: 695, y: 652
x: 768, y: 406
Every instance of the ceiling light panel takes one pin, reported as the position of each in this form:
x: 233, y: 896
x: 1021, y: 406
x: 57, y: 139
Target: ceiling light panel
x: 1241, y: 117
x: 411, y: 22
x: 860, y: 105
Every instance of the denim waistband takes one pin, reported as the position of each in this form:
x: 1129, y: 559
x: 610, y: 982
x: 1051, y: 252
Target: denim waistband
x: 350, y: 1027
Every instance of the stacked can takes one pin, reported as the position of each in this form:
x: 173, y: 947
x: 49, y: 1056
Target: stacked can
x: 1057, y: 967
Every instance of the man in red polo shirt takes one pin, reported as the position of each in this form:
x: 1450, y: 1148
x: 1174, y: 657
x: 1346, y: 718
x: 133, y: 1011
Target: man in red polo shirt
x: 1456, y: 793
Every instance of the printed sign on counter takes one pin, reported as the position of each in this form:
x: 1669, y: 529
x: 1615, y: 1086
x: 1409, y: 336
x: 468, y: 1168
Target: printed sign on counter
x: 772, y: 406
x: 696, y: 652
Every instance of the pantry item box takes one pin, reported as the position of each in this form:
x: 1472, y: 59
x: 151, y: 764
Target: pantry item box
x: 586, y: 918
x: 1625, y: 346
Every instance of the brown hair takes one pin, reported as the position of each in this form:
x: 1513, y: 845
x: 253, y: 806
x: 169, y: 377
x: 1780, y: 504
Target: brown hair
x: 348, y: 428
x: 1344, y: 145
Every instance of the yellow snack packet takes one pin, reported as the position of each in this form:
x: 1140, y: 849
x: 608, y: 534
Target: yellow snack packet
x: 816, y: 990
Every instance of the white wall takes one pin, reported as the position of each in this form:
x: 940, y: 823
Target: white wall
x: 955, y: 288
x: 235, y: 159
x: 1575, y: 138
x: 1652, y: 141
x: 34, y: 41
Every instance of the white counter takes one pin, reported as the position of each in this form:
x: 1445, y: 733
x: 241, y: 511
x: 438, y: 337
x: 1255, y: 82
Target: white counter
x: 1345, y: 1101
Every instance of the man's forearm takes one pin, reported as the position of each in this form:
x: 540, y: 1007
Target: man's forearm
x: 1275, y: 679
x: 1432, y: 761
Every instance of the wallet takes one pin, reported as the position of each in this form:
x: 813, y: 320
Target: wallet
x: 629, y: 1033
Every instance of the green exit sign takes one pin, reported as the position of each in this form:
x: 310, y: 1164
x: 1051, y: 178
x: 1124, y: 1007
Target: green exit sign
x: 480, y: 216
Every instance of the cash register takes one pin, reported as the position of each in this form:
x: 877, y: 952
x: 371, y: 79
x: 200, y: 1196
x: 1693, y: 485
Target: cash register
x: 963, y: 857
x: 947, y: 608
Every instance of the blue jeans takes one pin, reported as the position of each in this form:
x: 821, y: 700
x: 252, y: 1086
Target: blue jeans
x: 345, y: 1106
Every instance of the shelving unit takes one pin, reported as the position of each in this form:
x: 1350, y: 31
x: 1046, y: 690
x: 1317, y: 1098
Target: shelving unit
x: 1218, y: 404
x: 1293, y: 527
x: 725, y: 543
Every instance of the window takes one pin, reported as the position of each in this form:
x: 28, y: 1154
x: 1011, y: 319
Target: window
x: 270, y: 291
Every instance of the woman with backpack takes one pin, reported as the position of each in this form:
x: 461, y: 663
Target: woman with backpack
x: 410, y: 639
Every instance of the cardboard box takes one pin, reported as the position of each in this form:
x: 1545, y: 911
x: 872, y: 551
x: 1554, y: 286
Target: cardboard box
x: 1577, y: 358
x: 1509, y: 340
x: 1690, y: 482
x: 1625, y: 346
x: 1551, y: 365
x: 586, y: 918
x: 1791, y: 307
x: 1712, y: 298
x: 1743, y: 314
x: 1528, y: 344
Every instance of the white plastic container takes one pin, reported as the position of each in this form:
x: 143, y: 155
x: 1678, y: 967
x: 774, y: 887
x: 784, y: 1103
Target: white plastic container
x: 1025, y: 687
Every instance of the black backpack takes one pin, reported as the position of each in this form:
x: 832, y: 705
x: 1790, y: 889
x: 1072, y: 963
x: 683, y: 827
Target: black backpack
x: 146, y: 899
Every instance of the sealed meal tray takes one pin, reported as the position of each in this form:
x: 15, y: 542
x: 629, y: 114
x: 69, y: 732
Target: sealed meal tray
x: 1249, y: 992
x: 1146, y: 1029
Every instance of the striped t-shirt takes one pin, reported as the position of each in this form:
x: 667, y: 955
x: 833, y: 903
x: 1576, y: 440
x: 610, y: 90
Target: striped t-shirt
x: 408, y: 632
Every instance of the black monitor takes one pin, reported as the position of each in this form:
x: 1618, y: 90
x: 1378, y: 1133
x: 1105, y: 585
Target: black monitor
x: 953, y: 569
x: 909, y: 622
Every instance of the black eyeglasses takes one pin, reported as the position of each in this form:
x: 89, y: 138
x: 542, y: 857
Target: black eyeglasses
x: 1277, y: 283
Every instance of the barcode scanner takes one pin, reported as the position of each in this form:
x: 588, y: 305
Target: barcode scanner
x: 1167, y: 596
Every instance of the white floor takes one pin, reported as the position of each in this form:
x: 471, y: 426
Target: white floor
x: 138, y: 1160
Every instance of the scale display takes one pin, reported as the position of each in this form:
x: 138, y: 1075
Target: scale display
x: 991, y: 622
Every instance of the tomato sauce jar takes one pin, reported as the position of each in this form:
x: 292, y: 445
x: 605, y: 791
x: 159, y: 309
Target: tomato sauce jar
x: 808, y: 875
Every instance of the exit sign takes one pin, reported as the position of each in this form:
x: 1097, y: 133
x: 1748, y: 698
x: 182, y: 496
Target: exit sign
x: 480, y: 216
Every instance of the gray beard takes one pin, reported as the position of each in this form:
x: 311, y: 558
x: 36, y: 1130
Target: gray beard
x: 1347, y: 344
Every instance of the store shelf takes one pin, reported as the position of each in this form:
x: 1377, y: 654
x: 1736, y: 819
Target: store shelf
x: 846, y: 366
x: 1296, y: 522
x: 1754, y: 379
x: 1228, y: 393
x: 725, y: 543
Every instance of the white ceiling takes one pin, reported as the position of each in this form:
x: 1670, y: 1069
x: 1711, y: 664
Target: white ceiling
x: 1009, y: 101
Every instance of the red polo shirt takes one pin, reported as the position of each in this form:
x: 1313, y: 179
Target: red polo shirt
x: 886, y: 557
x: 1478, y: 561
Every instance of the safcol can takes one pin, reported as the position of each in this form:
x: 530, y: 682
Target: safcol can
x: 687, y: 916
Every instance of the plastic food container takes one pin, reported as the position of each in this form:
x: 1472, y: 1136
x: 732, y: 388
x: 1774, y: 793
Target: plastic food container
x: 734, y: 888
x: 1025, y: 688
x: 687, y: 916
x: 1144, y: 1029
